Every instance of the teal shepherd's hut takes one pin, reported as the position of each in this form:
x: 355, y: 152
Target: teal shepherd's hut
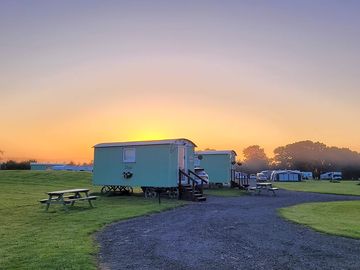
x: 219, y: 165
x: 155, y: 166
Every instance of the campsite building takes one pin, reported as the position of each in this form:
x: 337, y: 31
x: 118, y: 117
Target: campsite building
x: 219, y: 165
x: 73, y: 168
x: 147, y: 164
x: 286, y: 176
x: 307, y: 175
x: 34, y: 166
x: 59, y: 167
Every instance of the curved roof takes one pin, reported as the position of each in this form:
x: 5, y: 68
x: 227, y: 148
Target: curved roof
x: 286, y: 171
x: 214, y: 152
x: 180, y: 141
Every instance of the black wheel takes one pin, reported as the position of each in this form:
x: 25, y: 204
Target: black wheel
x: 173, y: 193
x: 150, y: 193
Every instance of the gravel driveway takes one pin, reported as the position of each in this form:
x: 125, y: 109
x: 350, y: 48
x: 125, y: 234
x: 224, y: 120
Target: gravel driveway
x: 227, y: 233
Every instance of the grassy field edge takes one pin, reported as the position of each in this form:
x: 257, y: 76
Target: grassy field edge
x: 338, y: 218
x: 345, y: 187
x: 35, y: 239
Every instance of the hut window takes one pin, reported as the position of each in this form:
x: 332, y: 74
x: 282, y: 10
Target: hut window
x: 129, y: 155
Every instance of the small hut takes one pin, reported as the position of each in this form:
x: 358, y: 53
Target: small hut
x: 219, y: 165
x: 150, y: 165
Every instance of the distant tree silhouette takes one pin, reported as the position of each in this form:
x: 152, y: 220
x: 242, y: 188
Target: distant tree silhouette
x: 255, y: 159
x: 317, y: 158
x: 14, y: 165
x: 90, y: 163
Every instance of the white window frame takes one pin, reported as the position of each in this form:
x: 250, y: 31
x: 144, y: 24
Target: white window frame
x: 129, y: 160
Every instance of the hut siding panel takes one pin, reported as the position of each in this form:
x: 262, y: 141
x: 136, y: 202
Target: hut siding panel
x: 218, y: 167
x: 154, y: 166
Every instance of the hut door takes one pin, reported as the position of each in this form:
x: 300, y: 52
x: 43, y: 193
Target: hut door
x: 182, y: 158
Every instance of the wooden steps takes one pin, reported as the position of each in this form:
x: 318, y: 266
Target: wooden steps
x: 192, y: 191
x: 189, y: 194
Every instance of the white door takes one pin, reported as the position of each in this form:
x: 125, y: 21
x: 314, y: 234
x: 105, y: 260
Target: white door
x: 182, y: 158
x: 182, y: 164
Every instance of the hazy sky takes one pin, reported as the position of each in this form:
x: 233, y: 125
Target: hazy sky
x: 225, y: 74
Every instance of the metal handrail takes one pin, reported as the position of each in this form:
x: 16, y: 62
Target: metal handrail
x: 199, y: 177
x: 181, y: 172
x: 187, y: 175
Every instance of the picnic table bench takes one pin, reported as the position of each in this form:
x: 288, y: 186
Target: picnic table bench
x: 59, y: 197
x: 260, y: 186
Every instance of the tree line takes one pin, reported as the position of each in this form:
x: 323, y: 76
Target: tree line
x: 307, y: 155
x: 16, y: 165
x: 25, y: 165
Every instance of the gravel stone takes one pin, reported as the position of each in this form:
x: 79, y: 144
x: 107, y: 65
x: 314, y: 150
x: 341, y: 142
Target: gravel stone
x: 227, y: 233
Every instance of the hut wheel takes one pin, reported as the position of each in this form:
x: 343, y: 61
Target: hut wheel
x: 150, y: 193
x: 153, y: 194
x: 173, y: 193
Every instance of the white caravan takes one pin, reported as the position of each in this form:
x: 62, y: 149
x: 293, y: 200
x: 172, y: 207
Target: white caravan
x: 331, y: 176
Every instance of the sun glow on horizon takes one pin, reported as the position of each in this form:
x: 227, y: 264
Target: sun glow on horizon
x: 83, y: 75
x: 148, y: 135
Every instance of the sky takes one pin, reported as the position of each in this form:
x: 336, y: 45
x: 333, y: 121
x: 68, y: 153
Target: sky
x: 225, y: 74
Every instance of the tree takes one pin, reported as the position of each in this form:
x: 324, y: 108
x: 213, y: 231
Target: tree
x: 255, y: 159
x: 13, y: 165
x: 317, y: 158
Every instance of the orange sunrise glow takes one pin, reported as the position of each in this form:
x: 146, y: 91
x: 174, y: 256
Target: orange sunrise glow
x: 71, y: 81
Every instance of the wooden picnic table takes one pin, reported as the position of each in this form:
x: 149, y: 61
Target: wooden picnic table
x: 265, y: 186
x: 60, y: 197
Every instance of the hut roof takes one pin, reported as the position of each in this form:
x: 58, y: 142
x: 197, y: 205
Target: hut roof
x: 180, y: 141
x: 214, y: 152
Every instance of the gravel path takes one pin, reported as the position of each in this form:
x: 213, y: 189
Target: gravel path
x: 227, y: 233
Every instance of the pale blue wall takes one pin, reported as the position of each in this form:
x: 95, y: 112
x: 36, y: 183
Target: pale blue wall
x: 155, y: 166
x: 217, y: 166
x: 39, y: 167
x: 42, y: 166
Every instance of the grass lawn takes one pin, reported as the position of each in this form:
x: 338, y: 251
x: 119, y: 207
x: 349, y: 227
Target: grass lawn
x: 34, y: 239
x: 323, y: 186
x: 339, y: 218
x: 225, y: 192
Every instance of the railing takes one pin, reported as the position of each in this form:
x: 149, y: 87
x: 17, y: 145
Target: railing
x: 242, y: 182
x: 189, y: 179
x: 198, y: 177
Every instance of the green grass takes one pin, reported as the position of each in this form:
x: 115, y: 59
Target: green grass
x: 344, y: 187
x: 34, y: 239
x: 225, y: 192
x: 338, y: 218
